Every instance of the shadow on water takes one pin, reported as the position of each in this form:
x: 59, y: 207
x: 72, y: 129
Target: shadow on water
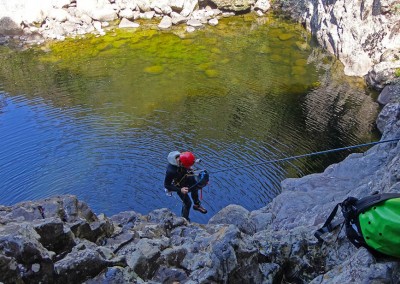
x: 96, y: 117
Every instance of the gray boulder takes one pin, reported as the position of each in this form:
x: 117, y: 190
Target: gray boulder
x: 233, y: 5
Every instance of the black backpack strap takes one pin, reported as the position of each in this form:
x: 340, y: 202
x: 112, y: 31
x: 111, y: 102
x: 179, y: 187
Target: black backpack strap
x: 372, y: 200
x: 328, y: 226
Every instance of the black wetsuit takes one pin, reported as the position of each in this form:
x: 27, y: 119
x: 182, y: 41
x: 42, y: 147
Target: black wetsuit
x: 178, y: 177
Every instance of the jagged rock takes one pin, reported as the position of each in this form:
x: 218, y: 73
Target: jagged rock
x: 54, y: 236
x: 358, y: 33
x: 177, y: 18
x: 386, y: 118
x: 188, y: 7
x: 177, y: 5
x: 144, y: 5
x: 80, y: 265
x: 383, y: 73
x: 361, y: 268
x: 234, y: 214
x: 390, y: 94
x: 170, y: 275
x: 23, y: 257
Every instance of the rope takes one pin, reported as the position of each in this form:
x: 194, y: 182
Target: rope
x: 307, y: 155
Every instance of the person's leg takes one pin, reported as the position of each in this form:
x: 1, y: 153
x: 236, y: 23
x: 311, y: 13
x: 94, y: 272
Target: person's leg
x: 190, y: 182
x: 197, y: 204
x: 187, y: 204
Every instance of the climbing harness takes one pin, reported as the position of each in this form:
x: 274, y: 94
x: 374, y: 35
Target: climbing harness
x: 201, y: 177
x: 372, y: 222
x: 306, y: 155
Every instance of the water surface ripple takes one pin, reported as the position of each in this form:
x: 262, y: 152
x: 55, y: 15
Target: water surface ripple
x: 97, y: 117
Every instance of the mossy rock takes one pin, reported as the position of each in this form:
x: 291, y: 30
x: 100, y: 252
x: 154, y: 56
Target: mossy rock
x: 301, y: 62
x: 298, y: 70
x: 225, y: 61
x: 303, y: 46
x: 211, y: 73
x: 285, y: 37
x: 276, y: 58
x: 155, y: 69
x: 205, y: 66
x: 216, y: 50
x: 264, y: 50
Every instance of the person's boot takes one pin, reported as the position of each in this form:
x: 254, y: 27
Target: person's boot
x: 200, y: 208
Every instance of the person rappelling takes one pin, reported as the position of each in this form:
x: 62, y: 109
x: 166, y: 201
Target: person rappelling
x: 181, y: 178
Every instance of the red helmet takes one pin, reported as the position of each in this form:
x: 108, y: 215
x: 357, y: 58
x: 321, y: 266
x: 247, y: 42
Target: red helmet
x: 187, y: 159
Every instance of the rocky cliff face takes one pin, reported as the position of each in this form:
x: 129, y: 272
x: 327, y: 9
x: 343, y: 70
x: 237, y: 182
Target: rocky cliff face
x: 60, y: 240
x: 363, y: 35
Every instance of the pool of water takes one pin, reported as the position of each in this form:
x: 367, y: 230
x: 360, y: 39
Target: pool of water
x: 97, y: 117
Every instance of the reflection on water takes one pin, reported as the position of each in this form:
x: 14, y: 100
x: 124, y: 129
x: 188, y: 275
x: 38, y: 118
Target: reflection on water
x: 97, y: 117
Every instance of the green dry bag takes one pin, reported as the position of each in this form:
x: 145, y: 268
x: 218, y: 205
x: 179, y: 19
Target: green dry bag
x: 372, y: 222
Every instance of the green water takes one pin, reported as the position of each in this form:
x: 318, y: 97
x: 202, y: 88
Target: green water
x: 97, y: 116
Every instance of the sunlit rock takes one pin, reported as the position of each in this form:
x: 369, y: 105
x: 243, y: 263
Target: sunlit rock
x: 194, y: 23
x: 358, y: 33
x: 125, y: 23
x: 59, y: 15
x: 144, y: 5
x: 177, y: 18
x: 213, y: 22
x: 262, y: 5
x: 127, y: 13
x: 126, y: 4
x: 233, y: 5
x: 188, y: 7
x: 165, y: 23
